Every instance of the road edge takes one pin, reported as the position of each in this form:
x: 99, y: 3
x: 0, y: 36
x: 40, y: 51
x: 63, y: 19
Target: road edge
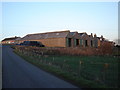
x: 1, y: 66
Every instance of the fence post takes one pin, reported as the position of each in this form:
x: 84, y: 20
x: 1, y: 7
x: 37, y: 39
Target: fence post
x: 53, y: 60
x: 42, y: 53
x: 105, y: 70
x: 63, y: 64
x: 79, y: 69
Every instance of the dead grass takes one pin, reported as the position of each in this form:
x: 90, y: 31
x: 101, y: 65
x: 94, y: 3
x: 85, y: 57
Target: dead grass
x: 67, y: 51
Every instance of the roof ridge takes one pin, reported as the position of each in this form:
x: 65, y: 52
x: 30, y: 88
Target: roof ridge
x: 11, y: 38
x: 83, y: 32
x: 50, y: 32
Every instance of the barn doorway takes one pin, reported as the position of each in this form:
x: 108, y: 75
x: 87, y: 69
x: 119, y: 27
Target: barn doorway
x: 77, y: 42
x: 86, y: 43
x: 69, y: 42
x: 91, y: 43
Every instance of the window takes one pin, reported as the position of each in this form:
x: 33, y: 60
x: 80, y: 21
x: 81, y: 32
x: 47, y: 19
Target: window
x: 57, y: 33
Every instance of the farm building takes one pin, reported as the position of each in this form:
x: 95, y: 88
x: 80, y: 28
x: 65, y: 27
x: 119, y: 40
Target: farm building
x: 86, y: 40
x: 11, y: 40
x: 50, y: 39
x: 62, y: 39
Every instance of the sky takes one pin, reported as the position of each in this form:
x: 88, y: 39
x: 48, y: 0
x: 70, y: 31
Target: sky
x: 22, y: 18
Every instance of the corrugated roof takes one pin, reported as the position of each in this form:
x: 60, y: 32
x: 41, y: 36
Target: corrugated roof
x: 46, y: 35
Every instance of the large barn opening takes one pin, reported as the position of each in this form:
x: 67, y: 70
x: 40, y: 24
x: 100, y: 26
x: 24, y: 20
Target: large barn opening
x: 86, y: 43
x: 69, y: 42
x: 77, y: 42
x: 91, y: 43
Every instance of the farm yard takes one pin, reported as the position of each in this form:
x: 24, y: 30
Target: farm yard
x: 85, y: 68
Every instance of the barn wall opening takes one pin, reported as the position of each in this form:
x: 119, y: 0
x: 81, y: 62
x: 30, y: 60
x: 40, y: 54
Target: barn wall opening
x: 86, y: 43
x: 77, y: 42
x: 69, y: 42
x: 91, y: 43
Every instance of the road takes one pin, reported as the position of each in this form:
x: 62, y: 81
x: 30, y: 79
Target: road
x: 0, y: 66
x: 17, y: 73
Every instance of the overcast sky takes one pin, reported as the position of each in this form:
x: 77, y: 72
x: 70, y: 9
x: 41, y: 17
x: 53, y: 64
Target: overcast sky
x: 21, y: 18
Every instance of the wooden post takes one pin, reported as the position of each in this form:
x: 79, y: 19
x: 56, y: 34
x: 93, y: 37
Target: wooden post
x: 105, y: 70
x: 79, y: 69
x: 63, y: 64
x: 53, y: 60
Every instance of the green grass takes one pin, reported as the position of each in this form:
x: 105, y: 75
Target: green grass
x: 92, y: 66
x: 82, y: 75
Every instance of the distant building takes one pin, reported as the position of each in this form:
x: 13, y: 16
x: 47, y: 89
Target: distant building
x: 10, y: 40
x: 96, y: 41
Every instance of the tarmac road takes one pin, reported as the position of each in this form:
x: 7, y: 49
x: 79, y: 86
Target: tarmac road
x: 0, y: 66
x: 17, y: 73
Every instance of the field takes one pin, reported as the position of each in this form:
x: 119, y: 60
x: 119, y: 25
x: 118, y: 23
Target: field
x: 85, y: 71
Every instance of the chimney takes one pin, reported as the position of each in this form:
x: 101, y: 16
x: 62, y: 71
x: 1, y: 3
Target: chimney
x: 95, y: 35
x: 101, y: 36
x: 91, y: 35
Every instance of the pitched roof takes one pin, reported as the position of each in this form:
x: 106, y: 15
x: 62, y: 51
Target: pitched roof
x: 98, y: 37
x: 72, y: 33
x: 46, y: 35
x: 81, y: 34
x: 18, y: 38
x: 11, y: 38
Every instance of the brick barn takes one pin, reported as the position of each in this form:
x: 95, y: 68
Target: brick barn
x: 62, y: 39
x: 50, y: 39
